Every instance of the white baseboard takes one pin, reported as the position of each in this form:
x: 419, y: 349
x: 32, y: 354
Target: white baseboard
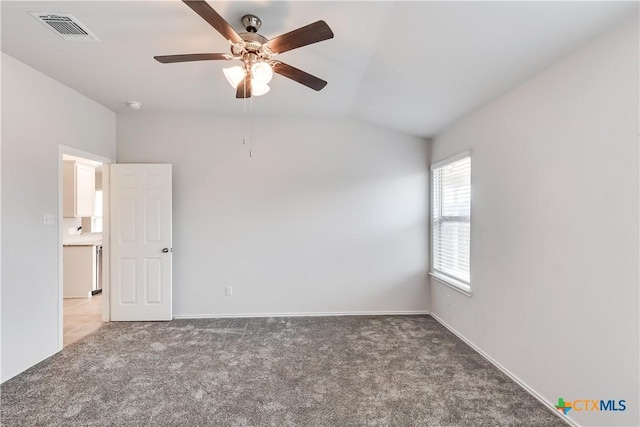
x: 302, y: 314
x: 508, y: 373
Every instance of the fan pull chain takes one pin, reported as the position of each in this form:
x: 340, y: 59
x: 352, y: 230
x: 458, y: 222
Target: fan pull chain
x: 251, y: 127
x: 244, y: 121
x: 244, y: 114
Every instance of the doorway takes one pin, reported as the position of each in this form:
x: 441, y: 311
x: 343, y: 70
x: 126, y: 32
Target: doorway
x: 82, y: 238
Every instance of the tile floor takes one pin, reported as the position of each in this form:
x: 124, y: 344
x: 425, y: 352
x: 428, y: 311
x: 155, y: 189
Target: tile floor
x: 81, y: 317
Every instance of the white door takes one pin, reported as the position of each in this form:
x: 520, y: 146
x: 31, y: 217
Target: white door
x: 140, y: 238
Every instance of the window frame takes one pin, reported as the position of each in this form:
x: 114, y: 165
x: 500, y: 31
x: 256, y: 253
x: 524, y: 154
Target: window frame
x: 441, y: 277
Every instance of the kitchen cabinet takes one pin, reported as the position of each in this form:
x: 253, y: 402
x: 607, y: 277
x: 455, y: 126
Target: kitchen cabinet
x: 81, y: 265
x: 79, y: 187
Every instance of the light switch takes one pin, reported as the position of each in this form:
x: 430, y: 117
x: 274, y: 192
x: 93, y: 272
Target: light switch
x: 48, y: 219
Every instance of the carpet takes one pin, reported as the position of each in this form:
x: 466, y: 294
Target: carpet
x: 303, y: 371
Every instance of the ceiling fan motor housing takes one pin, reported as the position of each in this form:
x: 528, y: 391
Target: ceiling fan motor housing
x: 252, y: 50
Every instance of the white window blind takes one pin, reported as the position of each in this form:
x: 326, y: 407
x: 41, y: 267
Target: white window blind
x: 451, y: 238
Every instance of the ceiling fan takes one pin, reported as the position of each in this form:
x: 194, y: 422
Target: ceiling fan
x: 256, y: 52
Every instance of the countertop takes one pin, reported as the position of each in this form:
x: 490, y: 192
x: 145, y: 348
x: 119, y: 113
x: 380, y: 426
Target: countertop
x: 87, y: 243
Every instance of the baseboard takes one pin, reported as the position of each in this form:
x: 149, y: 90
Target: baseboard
x: 508, y: 373
x: 303, y: 314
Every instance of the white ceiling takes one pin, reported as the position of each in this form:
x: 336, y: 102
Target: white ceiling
x: 410, y: 66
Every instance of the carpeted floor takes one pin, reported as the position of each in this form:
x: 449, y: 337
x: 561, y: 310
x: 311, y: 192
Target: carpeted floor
x: 313, y: 371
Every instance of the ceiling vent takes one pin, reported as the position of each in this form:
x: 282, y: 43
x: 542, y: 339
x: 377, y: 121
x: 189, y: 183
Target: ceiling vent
x: 65, y: 25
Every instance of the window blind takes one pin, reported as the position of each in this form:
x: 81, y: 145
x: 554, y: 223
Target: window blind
x: 451, y: 238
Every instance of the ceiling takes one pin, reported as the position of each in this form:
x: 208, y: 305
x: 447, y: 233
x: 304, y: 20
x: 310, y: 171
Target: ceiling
x: 410, y: 66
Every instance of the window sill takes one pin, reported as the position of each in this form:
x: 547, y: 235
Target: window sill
x: 454, y: 284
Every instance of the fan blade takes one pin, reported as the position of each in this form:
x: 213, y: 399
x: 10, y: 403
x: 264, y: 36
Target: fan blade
x: 300, y: 76
x: 168, y: 59
x: 207, y: 13
x: 312, y: 33
x: 244, y: 88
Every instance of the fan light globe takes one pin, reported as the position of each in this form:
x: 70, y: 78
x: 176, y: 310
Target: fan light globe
x: 259, y: 89
x: 234, y: 75
x: 261, y: 73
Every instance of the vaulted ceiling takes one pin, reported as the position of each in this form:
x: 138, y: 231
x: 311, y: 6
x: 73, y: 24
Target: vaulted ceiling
x: 411, y: 66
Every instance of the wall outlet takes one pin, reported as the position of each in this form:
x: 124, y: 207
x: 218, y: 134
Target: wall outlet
x: 448, y: 299
x: 48, y: 219
x: 228, y: 290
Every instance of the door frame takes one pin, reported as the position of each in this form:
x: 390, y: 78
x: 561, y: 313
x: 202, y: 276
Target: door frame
x: 62, y: 150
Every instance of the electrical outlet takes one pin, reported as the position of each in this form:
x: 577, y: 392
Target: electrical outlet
x: 48, y: 219
x: 228, y: 290
x: 448, y: 299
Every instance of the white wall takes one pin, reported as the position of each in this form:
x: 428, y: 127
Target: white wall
x: 38, y: 114
x: 554, y: 245
x: 329, y: 216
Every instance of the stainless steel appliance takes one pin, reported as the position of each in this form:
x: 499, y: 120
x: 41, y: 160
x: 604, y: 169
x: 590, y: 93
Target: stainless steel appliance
x: 98, y: 288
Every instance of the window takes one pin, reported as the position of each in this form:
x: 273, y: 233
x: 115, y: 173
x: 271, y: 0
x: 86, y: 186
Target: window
x: 97, y: 219
x: 451, y: 221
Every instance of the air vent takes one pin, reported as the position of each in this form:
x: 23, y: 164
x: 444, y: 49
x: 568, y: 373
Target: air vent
x: 65, y: 25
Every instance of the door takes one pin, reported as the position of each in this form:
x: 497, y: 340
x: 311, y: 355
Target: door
x: 140, y: 238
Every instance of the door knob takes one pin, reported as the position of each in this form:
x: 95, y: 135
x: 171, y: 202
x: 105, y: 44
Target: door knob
x: 165, y: 250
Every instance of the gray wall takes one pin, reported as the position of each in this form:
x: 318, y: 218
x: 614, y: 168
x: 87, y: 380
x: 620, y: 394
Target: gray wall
x: 329, y: 216
x: 554, y: 243
x: 38, y: 114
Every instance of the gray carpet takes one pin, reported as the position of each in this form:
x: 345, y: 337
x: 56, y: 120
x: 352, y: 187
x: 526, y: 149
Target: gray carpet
x: 321, y: 371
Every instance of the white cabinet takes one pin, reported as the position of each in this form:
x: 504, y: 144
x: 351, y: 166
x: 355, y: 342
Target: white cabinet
x: 79, y: 184
x: 79, y: 271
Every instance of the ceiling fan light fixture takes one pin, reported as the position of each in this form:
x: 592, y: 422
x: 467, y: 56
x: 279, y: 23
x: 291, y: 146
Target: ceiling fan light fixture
x: 259, y: 89
x: 255, y: 51
x: 261, y: 72
x: 234, y: 75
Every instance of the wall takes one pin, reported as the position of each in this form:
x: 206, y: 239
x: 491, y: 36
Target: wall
x: 38, y: 114
x: 554, y: 245
x: 329, y: 216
